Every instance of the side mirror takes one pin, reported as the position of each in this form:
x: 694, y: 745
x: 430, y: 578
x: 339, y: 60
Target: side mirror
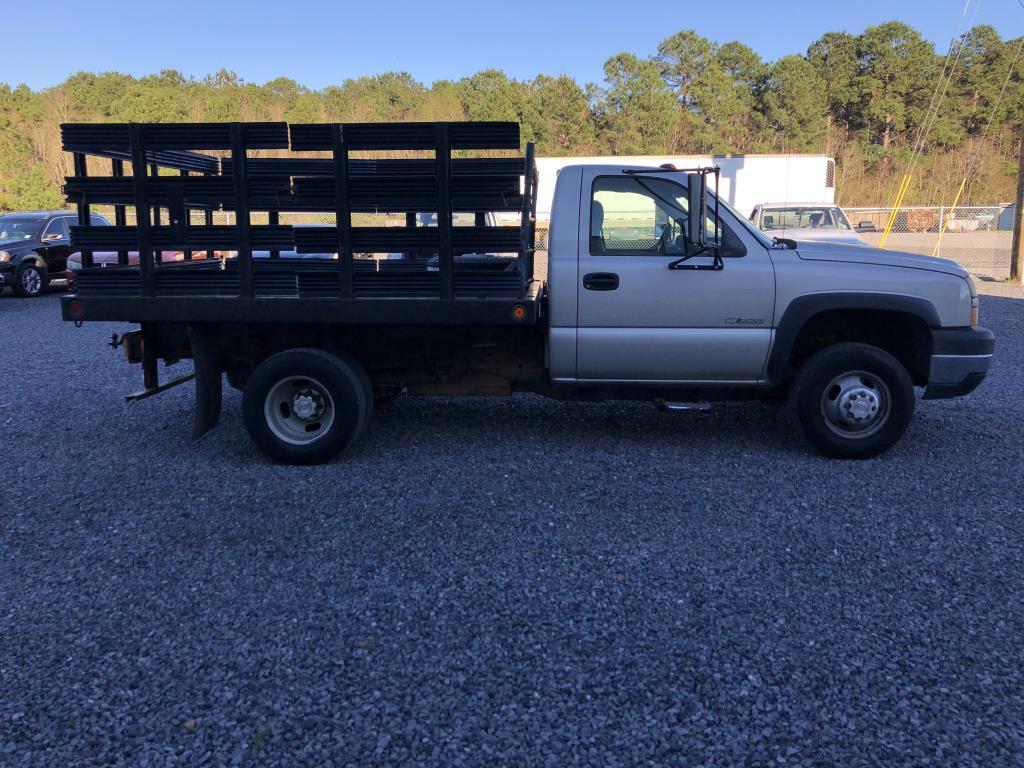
x: 697, y: 235
x: 866, y: 226
x: 51, y: 237
x: 698, y: 207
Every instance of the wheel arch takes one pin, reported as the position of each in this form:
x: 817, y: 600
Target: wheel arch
x: 32, y: 257
x: 897, y: 323
x: 351, y: 412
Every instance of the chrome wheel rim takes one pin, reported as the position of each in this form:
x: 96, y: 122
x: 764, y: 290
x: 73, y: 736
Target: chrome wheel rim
x: 299, y: 410
x: 856, y: 404
x: 31, y: 280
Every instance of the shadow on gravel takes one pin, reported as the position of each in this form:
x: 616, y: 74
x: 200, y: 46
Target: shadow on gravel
x: 160, y: 427
x: 460, y: 425
x: 479, y: 426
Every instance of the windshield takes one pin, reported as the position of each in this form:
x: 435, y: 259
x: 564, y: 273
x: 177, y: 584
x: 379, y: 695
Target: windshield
x: 756, y: 233
x: 18, y: 228
x: 808, y: 217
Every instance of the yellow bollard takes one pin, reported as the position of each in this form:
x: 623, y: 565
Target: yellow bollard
x: 904, y: 186
x: 942, y: 227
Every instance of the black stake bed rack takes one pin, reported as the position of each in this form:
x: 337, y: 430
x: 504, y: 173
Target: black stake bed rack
x: 427, y: 271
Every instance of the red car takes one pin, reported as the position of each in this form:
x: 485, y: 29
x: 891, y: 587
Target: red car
x: 109, y: 259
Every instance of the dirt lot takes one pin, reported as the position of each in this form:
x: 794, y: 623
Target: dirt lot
x: 502, y: 582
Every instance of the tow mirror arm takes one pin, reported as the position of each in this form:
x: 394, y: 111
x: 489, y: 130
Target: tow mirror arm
x: 697, y: 237
x: 716, y: 266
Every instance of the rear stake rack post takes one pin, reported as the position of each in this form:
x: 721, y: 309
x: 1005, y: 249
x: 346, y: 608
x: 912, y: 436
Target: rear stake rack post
x: 446, y: 262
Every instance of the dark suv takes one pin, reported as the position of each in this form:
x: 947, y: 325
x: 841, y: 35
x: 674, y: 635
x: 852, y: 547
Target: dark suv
x: 34, y: 248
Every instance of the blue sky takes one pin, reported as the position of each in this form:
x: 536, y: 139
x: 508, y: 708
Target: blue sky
x: 320, y: 43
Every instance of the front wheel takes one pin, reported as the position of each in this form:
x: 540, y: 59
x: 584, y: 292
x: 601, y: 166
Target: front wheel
x: 306, y: 406
x: 29, y: 280
x: 852, y: 401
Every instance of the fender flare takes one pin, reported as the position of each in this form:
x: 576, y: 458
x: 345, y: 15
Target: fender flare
x: 31, y: 257
x: 803, y: 308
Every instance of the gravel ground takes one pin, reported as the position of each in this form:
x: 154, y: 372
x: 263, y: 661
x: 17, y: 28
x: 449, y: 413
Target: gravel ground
x: 502, y: 582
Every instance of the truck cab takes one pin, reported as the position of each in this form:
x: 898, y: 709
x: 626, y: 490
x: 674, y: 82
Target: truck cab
x: 621, y: 312
x: 626, y: 309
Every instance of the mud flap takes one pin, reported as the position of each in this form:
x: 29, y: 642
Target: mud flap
x: 206, y: 356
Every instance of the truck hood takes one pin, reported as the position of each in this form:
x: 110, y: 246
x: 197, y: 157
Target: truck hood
x: 822, y: 235
x: 866, y: 255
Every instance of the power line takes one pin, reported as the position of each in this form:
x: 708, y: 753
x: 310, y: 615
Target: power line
x: 973, y: 161
x: 932, y: 115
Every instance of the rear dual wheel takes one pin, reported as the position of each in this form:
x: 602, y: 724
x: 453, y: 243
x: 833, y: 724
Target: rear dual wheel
x: 306, y: 406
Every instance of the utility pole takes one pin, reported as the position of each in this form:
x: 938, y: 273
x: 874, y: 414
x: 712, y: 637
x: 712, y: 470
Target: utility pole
x: 1017, y: 246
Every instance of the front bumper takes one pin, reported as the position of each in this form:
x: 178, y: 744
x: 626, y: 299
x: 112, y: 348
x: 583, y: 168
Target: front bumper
x: 959, y: 362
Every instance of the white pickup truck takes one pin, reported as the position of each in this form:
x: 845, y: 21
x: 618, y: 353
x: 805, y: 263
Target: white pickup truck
x: 654, y: 291
x: 806, y: 221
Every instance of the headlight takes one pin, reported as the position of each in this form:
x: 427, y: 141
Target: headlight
x: 5, y: 256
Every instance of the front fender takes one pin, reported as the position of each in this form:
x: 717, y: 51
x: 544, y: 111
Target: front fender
x: 803, y: 308
x: 30, y: 257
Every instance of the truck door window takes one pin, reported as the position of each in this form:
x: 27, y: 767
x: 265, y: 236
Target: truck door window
x: 643, y: 215
x: 58, y: 227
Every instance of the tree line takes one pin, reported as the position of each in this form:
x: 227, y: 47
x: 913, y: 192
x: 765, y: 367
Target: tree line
x: 864, y: 99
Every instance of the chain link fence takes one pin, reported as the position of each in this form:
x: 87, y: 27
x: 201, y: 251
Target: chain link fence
x: 977, y: 237
x: 198, y: 218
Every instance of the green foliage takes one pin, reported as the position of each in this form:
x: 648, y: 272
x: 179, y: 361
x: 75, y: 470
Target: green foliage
x: 638, y: 108
x: 895, y: 69
x: 29, y: 189
x: 715, y: 88
x: 792, y: 102
x: 864, y: 99
x: 834, y: 56
x: 563, y: 110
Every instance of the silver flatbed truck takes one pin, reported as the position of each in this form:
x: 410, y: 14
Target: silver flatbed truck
x: 655, y: 289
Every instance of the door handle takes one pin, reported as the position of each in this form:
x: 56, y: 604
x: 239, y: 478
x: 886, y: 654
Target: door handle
x: 601, y: 281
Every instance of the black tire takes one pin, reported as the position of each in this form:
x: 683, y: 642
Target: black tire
x: 364, y: 380
x: 29, y: 280
x: 852, y: 401
x: 332, y: 386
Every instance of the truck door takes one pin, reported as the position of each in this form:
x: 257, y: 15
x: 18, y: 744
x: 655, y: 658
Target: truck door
x: 56, y: 245
x: 639, y: 320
